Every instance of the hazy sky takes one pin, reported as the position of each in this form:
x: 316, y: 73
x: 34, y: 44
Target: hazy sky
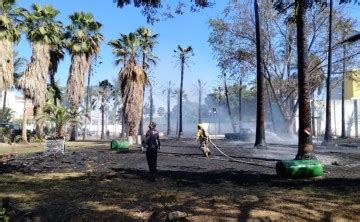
x: 190, y: 29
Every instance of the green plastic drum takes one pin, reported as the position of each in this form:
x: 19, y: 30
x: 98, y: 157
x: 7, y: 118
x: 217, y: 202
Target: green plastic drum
x: 119, y: 145
x: 299, y: 168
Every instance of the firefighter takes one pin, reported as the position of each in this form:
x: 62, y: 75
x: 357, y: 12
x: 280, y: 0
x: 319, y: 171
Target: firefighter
x: 203, y: 138
x: 152, y: 142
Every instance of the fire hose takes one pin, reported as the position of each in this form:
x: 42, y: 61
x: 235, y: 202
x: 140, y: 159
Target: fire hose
x: 234, y: 159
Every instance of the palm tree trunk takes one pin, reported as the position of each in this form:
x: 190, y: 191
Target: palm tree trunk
x: 327, y: 136
x: 270, y: 108
x: 40, y: 123
x: 240, y: 102
x: 151, y: 104
x: 23, y: 132
x: 228, y: 104
x: 168, y: 109
x: 102, y: 118
x: 313, y: 114
x: 79, y: 68
x: 141, y: 125
x: 87, y: 102
x: 181, y: 96
x: 4, y: 101
x: 260, y: 114
x: 6, y: 64
x: 343, y: 130
x: 199, y: 111
x: 305, y: 146
x: 177, y: 114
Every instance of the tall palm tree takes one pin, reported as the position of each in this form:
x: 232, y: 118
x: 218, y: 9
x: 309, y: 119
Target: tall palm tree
x: 121, y: 52
x: 327, y: 136
x: 83, y: 43
x: 132, y: 80
x: 147, y: 43
x: 260, y: 106
x: 168, y: 91
x: 45, y: 34
x: 10, y: 32
x: 184, y: 54
x: 105, y: 91
x: 305, y: 145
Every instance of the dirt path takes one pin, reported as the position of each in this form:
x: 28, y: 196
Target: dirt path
x: 92, y: 183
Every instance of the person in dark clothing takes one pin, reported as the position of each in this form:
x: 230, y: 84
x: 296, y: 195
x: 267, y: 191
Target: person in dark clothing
x: 152, y: 142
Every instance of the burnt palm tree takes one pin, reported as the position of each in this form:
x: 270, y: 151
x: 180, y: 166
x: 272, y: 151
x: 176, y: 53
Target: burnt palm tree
x: 83, y: 42
x: 183, y: 55
x: 327, y: 136
x: 147, y: 43
x: 10, y: 32
x: 132, y: 81
x: 45, y: 34
x: 260, y: 106
x: 305, y: 145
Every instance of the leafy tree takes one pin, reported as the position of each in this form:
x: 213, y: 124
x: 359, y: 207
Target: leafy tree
x: 83, y: 43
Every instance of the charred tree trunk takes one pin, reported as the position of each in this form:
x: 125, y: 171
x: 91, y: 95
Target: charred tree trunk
x: 168, y: 109
x: 228, y: 104
x: 343, y: 130
x: 260, y: 114
x: 327, y: 136
x: 181, y: 96
x: 305, y: 146
x: 240, y: 103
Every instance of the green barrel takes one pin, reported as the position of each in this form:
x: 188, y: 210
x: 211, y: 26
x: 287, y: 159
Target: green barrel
x: 299, y: 168
x: 119, y: 145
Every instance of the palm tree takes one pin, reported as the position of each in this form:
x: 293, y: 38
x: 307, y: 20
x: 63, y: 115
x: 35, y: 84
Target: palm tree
x: 120, y: 50
x: 260, y: 107
x: 10, y: 32
x: 132, y: 80
x: 305, y: 145
x: 105, y: 91
x: 147, y: 43
x: 83, y: 43
x: 327, y: 136
x: 168, y: 91
x: 176, y: 95
x: 19, y: 63
x: 184, y: 54
x: 45, y: 34
x: 200, y: 88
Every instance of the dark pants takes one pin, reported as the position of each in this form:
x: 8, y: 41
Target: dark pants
x: 151, y: 156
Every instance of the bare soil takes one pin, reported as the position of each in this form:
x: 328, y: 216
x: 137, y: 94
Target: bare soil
x: 93, y: 183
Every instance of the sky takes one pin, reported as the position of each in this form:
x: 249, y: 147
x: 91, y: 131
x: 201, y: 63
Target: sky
x: 190, y: 29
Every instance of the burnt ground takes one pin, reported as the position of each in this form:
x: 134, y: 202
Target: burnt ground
x: 93, y: 183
